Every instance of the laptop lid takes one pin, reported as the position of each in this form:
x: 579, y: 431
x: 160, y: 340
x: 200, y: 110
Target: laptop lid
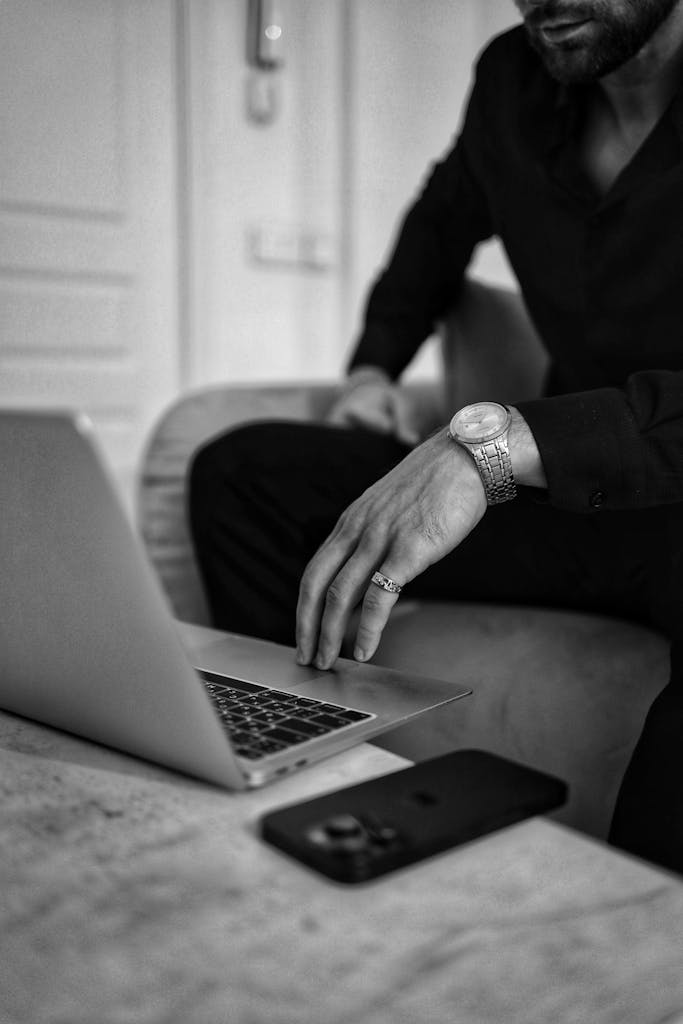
x: 86, y: 642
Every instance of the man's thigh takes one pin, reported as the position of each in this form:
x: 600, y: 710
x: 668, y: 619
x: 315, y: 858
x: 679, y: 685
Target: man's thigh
x: 307, y: 472
x: 283, y: 486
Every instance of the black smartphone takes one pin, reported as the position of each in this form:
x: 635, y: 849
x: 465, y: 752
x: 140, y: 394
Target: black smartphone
x: 358, y: 833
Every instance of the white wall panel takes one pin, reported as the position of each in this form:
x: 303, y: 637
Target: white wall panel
x: 59, y: 319
x: 249, y: 318
x: 62, y: 114
x: 88, y: 198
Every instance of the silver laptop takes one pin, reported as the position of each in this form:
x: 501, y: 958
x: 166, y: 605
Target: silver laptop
x: 88, y: 644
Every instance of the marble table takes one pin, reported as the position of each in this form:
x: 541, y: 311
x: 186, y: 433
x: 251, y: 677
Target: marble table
x: 130, y: 895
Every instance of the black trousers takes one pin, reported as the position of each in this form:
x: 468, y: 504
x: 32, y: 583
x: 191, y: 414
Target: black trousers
x: 264, y: 497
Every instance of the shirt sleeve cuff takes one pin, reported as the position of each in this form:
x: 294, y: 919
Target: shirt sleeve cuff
x: 589, y: 446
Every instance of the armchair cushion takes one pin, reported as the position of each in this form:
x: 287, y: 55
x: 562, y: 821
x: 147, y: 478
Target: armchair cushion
x: 566, y: 692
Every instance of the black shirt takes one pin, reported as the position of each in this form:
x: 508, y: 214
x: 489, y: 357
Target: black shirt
x: 601, y: 275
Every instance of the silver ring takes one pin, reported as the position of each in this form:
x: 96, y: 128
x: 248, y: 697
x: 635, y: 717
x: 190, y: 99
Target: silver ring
x: 391, y: 586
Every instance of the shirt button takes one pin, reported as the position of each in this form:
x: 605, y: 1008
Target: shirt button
x: 596, y: 499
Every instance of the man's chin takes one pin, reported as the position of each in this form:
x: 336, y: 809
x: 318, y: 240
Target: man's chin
x: 570, y: 65
x: 569, y: 70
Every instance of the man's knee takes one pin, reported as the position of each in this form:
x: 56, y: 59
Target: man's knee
x: 244, y: 453
x: 233, y: 452
x: 212, y: 474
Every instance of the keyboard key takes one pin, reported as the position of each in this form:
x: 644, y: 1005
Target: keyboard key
x: 241, y: 738
x: 286, y: 736
x: 330, y: 721
x: 306, y: 727
x: 245, y: 709
x: 228, y: 709
x: 242, y: 684
x: 215, y: 679
x: 349, y: 715
x: 223, y: 693
x: 303, y: 712
x: 252, y: 727
x: 234, y: 720
x: 234, y: 694
x: 267, y: 746
x: 281, y: 707
x: 248, y: 752
x: 268, y: 716
x: 331, y: 708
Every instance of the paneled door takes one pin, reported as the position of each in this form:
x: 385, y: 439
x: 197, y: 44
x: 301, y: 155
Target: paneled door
x: 88, y: 213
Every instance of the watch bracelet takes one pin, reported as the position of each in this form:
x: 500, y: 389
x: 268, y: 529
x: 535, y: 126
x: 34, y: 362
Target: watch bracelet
x: 495, y: 469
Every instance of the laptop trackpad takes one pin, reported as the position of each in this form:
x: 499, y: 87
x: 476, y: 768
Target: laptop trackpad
x: 257, y: 661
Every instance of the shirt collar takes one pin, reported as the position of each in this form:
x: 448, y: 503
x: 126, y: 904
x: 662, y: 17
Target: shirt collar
x: 552, y: 111
x: 550, y: 117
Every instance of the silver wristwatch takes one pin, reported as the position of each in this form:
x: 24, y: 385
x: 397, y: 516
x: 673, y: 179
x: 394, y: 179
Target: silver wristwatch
x: 483, y: 430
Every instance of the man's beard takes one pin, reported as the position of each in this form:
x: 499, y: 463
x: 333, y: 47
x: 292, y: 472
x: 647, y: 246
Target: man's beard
x: 615, y: 37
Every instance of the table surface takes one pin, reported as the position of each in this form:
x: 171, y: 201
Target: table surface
x: 132, y: 895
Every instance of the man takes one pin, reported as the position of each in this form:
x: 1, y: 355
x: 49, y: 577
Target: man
x: 571, y: 152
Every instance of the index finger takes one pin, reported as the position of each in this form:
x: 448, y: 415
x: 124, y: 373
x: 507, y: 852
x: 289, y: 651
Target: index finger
x: 330, y: 589
x: 315, y: 581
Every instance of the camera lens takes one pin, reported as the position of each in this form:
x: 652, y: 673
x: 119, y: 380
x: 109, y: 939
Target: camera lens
x: 343, y: 826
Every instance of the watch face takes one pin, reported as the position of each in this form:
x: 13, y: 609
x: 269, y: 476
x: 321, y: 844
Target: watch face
x: 480, y: 422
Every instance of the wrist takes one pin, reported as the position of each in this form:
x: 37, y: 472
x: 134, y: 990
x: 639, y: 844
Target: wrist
x: 360, y: 375
x: 503, y: 447
x: 458, y: 470
x: 524, y: 454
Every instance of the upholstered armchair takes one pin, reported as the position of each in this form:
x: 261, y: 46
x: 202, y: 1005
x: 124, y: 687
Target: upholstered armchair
x: 562, y: 691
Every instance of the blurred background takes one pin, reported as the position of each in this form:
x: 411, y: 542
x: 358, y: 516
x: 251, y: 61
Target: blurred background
x: 195, y: 191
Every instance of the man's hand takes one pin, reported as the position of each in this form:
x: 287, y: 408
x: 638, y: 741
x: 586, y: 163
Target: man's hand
x: 372, y: 400
x: 404, y: 523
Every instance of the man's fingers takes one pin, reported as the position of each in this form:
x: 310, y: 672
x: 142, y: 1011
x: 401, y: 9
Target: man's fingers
x: 343, y: 594
x: 372, y: 418
x: 368, y: 406
x: 334, y: 555
x: 341, y: 598
x: 309, y: 609
x: 334, y: 583
x: 377, y: 605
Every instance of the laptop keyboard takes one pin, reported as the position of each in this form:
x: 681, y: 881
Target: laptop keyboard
x: 261, y: 720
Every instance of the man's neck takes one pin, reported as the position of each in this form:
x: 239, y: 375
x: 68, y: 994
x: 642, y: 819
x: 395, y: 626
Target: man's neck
x: 638, y: 92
